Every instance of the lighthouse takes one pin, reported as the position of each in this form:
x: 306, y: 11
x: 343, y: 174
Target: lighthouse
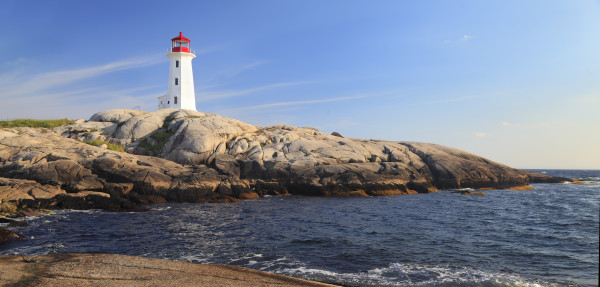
x: 180, y: 91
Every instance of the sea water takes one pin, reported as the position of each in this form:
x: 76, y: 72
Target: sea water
x: 542, y: 237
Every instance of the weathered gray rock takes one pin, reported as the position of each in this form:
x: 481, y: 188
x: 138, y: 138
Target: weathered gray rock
x: 115, y: 116
x: 240, y: 150
x: 15, y: 193
x: 200, y: 157
x: 43, y: 169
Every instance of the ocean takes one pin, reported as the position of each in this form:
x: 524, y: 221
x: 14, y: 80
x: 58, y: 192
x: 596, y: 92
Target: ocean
x: 542, y: 237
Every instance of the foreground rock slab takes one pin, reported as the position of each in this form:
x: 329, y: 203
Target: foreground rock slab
x: 122, y: 270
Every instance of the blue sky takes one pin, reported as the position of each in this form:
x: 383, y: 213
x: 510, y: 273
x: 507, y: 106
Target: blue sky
x: 517, y: 82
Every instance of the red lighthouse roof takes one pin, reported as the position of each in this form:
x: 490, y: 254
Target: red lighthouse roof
x: 180, y: 38
x: 180, y: 44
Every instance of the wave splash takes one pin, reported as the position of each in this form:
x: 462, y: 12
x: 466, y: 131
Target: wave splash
x: 410, y: 274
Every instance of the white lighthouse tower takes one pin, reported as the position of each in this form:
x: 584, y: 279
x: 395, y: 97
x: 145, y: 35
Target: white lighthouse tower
x: 180, y: 92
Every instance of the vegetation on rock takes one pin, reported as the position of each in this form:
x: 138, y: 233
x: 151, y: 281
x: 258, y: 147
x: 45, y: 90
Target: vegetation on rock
x: 158, y: 141
x: 109, y: 146
x: 35, y: 123
x: 202, y: 157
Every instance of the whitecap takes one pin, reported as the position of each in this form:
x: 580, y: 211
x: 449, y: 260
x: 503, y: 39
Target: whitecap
x: 196, y: 258
x: 162, y: 208
x: 409, y: 274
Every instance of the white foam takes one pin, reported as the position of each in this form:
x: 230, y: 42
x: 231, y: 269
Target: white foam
x: 313, y: 271
x: 162, y: 208
x: 403, y: 274
x: 196, y: 258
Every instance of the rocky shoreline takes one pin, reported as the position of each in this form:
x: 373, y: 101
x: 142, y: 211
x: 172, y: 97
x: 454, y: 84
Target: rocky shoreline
x: 122, y: 270
x: 188, y: 156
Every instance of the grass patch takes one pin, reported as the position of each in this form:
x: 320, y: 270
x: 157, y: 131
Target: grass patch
x: 167, y: 121
x: 82, y: 131
x: 35, y: 123
x: 110, y: 146
x: 160, y: 139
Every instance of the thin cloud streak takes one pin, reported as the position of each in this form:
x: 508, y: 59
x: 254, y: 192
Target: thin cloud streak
x: 308, y: 102
x: 79, y: 103
x: 206, y: 96
x: 443, y: 101
x: 236, y: 71
x: 45, y: 81
x: 296, y: 103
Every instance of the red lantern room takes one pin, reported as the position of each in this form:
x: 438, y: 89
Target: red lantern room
x: 180, y: 44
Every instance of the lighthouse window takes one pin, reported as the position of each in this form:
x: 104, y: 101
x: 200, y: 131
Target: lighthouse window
x: 175, y: 102
x: 176, y: 81
x: 176, y: 64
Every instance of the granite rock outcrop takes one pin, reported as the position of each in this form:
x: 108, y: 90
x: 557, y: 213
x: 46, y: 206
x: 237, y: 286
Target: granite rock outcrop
x: 189, y: 156
x: 76, y: 269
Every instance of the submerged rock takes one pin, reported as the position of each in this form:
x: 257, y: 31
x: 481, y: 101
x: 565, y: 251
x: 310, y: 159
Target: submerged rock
x: 8, y: 236
x: 472, y: 193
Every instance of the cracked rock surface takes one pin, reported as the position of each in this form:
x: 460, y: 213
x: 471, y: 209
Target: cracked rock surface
x: 122, y: 270
x: 188, y: 156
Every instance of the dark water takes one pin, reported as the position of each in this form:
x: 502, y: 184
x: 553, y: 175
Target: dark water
x: 543, y: 237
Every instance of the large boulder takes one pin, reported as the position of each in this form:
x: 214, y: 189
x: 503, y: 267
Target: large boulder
x: 277, y: 153
x: 16, y: 194
x: 188, y: 156
x: 115, y: 116
x: 40, y: 169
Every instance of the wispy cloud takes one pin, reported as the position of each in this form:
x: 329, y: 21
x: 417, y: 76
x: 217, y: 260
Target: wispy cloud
x: 452, y: 100
x: 299, y: 103
x: 207, y: 50
x: 217, y: 77
x: 480, y: 134
x: 237, y: 70
x: 45, y: 81
x: 209, y: 96
x: 466, y: 37
x: 527, y: 126
x: 463, y: 38
x: 296, y: 104
x: 52, y: 94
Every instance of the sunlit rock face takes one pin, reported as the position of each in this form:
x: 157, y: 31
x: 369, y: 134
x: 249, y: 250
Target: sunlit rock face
x: 302, y: 156
x: 188, y: 156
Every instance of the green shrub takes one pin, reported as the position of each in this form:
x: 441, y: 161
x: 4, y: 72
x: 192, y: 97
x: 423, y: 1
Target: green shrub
x: 167, y: 121
x: 35, y: 123
x: 110, y: 146
x: 85, y: 132
x: 160, y: 139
